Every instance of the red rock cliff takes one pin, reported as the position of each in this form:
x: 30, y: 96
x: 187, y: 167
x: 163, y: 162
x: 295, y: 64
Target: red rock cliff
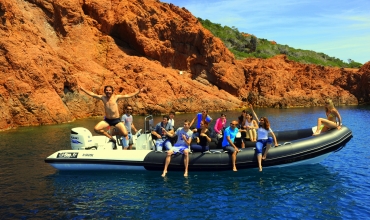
x: 48, y: 48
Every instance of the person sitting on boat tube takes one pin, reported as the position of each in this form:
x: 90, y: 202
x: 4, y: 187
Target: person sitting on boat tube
x: 202, y: 116
x: 181, y: 146
x: 228, y: 142
x: 250, y: 126
x: 203, y: 138
x: 161, y: 133
x: 220, y: 125
x: 263, y: 140
x: 243, y: 132
x: 331, y: 122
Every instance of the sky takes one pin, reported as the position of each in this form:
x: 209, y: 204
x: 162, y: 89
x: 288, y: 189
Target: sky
x: 337, y: 28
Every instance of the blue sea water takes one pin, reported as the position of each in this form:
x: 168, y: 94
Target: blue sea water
x: 337, y: 188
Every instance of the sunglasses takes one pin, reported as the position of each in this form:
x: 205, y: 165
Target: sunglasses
x: 233, y: 124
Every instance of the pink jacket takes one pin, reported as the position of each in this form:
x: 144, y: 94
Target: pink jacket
x: 219, y: 125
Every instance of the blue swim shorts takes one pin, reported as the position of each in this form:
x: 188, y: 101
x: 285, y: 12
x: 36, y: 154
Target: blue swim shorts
x: 180, y: 149
x: 159, y: 144
x: 261, y: 143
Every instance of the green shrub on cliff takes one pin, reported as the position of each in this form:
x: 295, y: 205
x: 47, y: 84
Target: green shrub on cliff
x: 244, y: 45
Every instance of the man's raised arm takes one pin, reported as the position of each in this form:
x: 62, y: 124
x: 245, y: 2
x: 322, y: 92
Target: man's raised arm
x: 129, y: 95
x: 91, y: 93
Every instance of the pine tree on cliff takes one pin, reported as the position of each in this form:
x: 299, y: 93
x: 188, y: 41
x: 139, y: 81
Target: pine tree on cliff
x: 253, y: 43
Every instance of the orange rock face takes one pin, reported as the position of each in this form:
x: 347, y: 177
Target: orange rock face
x: 48, y: 48
x: 278, y: 82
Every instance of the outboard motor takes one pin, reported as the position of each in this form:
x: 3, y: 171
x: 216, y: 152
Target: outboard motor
x: 81, y: 139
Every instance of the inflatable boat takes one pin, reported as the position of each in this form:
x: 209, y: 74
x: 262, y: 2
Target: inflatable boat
x: 96, y: 152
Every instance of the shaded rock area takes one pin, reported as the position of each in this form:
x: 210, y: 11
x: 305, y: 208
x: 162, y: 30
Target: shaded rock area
x: 48, y: 48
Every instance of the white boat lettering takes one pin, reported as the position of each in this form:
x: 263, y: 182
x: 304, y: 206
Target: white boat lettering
x: 67, y: 155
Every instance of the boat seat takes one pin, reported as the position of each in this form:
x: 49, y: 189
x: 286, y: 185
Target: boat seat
x: 149, y: 125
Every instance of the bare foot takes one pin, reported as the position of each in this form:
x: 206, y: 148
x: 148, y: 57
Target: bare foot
x: 264, y: 157
x: 234, y: 169
x: 260, y: 169
x: 315, y: 134
x: 186, y: 174
x: 164, y: 173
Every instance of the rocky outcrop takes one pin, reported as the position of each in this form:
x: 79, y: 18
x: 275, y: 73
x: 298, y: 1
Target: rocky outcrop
x: 278, y: 82
x: 360, y: 83
x: 48, y: 48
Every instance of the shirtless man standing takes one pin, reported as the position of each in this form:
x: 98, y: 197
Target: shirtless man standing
x: 112, y: 116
